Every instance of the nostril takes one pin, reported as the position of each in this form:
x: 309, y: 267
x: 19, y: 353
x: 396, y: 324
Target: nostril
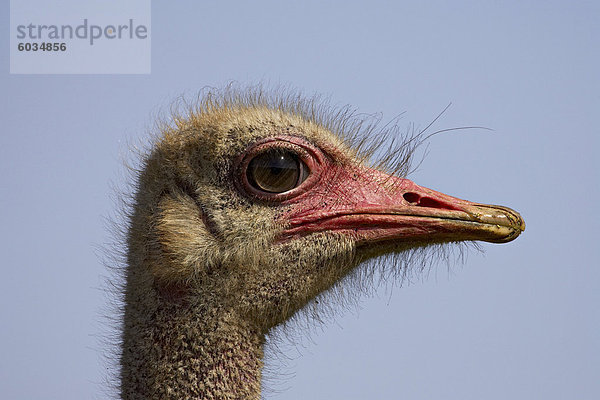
x: 412, y: 198
x: 417, y: 200
x: 429, y: 202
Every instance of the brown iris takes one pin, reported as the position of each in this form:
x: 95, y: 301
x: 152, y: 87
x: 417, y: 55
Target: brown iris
x: 276, y: 171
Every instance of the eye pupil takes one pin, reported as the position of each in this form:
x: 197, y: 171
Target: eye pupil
x: 276, y: 171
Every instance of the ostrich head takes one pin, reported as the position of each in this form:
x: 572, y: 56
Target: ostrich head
x: 250, y: 210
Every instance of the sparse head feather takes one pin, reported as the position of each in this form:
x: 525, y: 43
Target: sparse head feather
x: 194, y: 229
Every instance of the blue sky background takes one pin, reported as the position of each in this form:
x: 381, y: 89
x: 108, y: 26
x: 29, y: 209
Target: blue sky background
x: 520, y: 321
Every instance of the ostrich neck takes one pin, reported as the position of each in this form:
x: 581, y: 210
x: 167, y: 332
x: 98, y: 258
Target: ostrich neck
x: 175, y: 349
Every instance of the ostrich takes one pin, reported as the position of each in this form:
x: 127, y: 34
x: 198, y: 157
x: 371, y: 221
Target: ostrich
x: 244, y: 211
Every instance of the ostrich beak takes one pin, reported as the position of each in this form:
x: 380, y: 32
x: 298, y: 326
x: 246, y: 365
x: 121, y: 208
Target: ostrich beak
x: 374, y: 207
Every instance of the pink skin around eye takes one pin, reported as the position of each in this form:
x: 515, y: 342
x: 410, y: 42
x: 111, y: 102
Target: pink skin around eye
x: 311, y: 156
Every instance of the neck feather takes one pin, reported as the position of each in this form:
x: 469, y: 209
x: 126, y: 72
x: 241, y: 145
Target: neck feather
x: 180, y: 348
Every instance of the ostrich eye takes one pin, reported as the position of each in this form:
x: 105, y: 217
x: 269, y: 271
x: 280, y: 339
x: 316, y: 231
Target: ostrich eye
x: 276, y: 171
